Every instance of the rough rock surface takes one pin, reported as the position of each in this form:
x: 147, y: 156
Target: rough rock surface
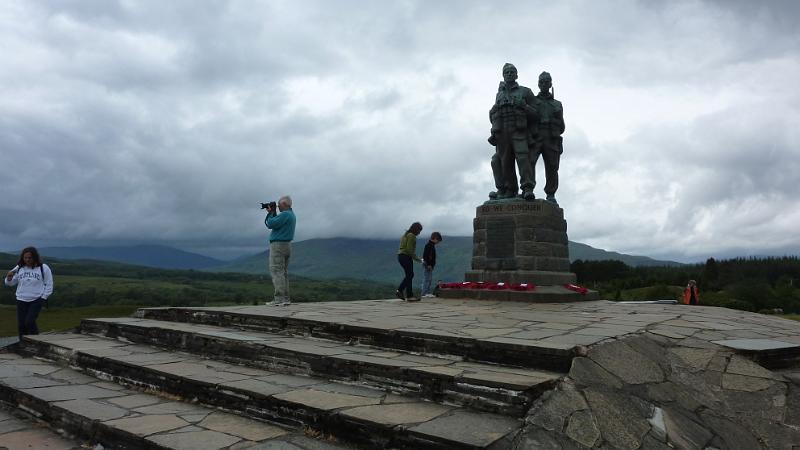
x: 649, y: 391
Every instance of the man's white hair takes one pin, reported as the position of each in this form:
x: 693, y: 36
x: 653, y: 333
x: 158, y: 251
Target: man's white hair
x: 286, y: 199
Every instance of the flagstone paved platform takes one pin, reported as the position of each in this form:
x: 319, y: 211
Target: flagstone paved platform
x: 637, y: 376
x: 542, y: 335
x: 438, y: 374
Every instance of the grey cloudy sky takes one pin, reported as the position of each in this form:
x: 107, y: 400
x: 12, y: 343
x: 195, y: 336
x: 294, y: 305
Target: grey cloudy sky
x: 150, y: 121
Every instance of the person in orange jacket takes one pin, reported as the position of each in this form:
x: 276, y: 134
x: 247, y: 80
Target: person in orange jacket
x: 691, y: 296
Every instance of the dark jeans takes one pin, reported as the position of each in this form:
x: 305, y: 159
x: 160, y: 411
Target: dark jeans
x: 27, y: 313
x: 408, y: 267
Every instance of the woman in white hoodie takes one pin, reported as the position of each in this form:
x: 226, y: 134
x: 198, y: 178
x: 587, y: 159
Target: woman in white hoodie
x: 34, y: 282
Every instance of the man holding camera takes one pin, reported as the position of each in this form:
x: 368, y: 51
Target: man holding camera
x: 280, y: 247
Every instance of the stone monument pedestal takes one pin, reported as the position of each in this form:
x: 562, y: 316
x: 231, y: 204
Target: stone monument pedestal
x: 518, y: 241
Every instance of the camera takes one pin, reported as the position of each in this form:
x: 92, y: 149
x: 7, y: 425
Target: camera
x: 270, y: 205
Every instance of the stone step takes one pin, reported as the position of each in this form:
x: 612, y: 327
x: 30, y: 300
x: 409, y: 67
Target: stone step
x: 483, y: 387
x: 411, y: 327
x: 362, y: 416
x: 20, y: 430
x: 97, y: 411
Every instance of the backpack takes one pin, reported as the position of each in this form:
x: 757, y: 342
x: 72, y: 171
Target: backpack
x: 41, y: 270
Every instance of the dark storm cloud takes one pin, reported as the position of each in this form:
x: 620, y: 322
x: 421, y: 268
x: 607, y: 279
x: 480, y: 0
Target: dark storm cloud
x: 168, y: 122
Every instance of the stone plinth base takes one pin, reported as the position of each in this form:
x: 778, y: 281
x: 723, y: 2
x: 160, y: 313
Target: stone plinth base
x: 537, y: 277
x: 542, y: 294
x: 520, y: 241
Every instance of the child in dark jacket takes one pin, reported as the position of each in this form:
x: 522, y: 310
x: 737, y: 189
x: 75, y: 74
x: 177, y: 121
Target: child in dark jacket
x: 428, y: 263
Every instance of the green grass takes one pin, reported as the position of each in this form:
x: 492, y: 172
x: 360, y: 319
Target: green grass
x: 792, y: 317
x: 58, y: 319
x: 195, y: 289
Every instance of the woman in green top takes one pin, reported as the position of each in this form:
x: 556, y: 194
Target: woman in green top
x: 407, y: 253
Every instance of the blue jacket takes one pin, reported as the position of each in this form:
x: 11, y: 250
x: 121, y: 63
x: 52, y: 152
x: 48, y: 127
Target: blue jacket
x: 282, y: 226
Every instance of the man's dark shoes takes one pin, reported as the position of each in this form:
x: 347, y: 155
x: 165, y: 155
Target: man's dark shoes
x: 399, y: 294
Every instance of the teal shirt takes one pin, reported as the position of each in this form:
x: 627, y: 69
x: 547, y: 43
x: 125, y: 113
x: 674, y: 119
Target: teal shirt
x: 282, y: 226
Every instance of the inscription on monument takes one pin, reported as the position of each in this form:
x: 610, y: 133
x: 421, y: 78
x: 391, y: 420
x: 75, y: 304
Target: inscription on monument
x: 499, y: 238
x: 529, y: 207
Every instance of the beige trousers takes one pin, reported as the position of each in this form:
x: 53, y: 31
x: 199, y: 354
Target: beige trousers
x: 279, y: 253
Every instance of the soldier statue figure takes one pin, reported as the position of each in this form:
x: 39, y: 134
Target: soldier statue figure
x: 513, y: 118
x: 548, y: 128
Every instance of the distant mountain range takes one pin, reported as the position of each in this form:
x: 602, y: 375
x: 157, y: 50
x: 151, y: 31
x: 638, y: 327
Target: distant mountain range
x: 367, y: 259
x: 376, y: 260
x: 143, y: 255
x: 588, y: 253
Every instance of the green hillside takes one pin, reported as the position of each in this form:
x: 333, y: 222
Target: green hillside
x: 376, y: 260
x: 84, y: 283
x: 588, y: 253
x: 142, y: 255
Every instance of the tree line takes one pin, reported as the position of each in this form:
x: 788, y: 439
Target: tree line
x: 751, y: 284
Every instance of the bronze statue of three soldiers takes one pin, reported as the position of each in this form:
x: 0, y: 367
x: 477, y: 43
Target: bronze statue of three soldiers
x: 525, y: 126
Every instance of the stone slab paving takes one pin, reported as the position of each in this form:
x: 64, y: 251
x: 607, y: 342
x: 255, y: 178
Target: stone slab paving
x: 477, y: 430
x: 33, y: 436
x: 19, y: 431
x: 755, y: 344
x: 547, y: 326
x: 643, y: 376
x: 427, y: 376
x: 351, y: 412
x: 139, y: 420
x: 399, y: 413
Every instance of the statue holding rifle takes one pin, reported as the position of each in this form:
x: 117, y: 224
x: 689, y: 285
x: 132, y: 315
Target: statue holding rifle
x: 548, y: 129
x: 525, y: 126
